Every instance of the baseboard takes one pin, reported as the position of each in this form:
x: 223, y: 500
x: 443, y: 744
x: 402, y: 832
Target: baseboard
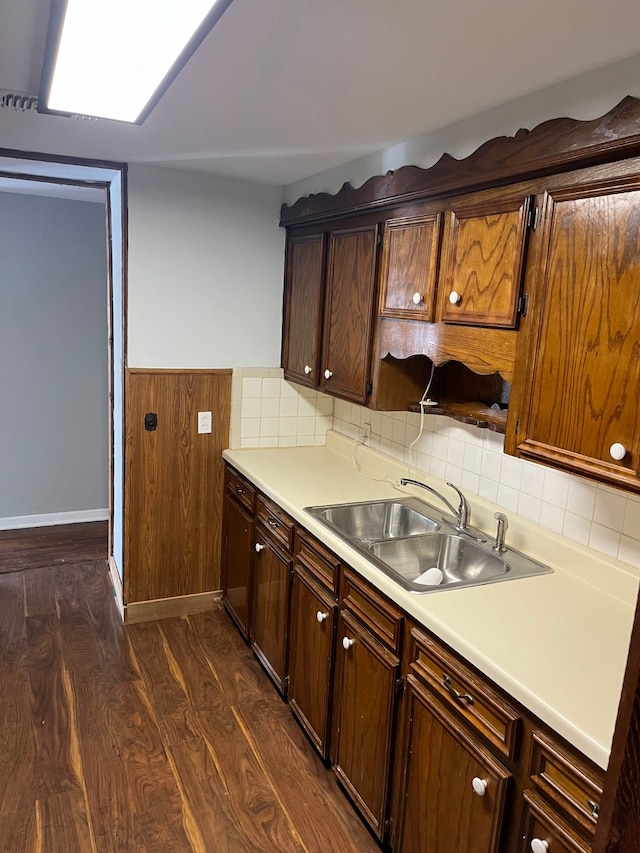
x: 18, y: 522
x: 117, y: 586
x: 181, y: 605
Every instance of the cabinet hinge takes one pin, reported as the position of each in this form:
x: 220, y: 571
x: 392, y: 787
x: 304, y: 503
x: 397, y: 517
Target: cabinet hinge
x: 379, y: 238
x: 532, y: 218
x: 369, y: 388
x: 523, y: 304
x: 399, y: 686
x: 285, y: 684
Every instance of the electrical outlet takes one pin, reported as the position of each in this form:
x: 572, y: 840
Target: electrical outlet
x: 204, y: 422
x: 365, y: 434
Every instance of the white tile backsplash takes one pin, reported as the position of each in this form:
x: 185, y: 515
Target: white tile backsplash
x: 268, y: 411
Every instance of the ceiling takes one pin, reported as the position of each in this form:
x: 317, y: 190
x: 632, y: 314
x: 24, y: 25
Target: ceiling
x: 284, y: 89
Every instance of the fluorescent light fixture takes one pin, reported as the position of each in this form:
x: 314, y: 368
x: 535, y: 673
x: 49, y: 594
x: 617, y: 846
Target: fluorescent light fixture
x: 114, y: 59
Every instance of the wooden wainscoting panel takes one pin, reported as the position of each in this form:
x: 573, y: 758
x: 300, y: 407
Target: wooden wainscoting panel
x: 174, y: 482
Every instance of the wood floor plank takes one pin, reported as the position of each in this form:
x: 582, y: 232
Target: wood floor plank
x: 193, y: 707
x: 53, y: 771
x: 132, y: 796
x: 161, y: 737
x: 62, y: 825
x: 281, y: 746
x: 48, y: 546
x: 19, y: 831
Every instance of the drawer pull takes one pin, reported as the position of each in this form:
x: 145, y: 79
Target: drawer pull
x: 320, y: 616
x: 259, y: 547
x: 595, y: 809
x: 273, y: 524
x: 347, y: 643
x: 239, y: 490
x: 479, y: 786
x: 539, y: 846
x: 459, y: 697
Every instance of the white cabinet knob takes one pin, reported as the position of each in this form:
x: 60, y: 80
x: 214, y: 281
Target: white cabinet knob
x: 617, y: 451
x: 307, y: 369
x: 539, y: 846
x: 417, y: 298
x: 259, y: 547
x: 328, y: 374
x: 347, y: 643
x: 479, y: 786
x: 320, y: 616
x: 454, y: 297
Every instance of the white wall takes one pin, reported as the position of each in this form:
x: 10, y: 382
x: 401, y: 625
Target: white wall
x: 586, y: 97
x: 206, y: 258
x: 54, y: 448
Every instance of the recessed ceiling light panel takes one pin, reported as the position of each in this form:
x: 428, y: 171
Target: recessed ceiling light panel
x: 114, y: 59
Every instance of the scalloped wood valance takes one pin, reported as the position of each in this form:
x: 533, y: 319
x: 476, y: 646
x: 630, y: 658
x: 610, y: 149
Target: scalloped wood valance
x: 551, y: 147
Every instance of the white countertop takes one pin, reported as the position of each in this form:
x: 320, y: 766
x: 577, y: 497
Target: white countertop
x: 557, y: 643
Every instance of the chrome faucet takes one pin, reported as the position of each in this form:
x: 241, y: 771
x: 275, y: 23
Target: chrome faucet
x: 503, y: 524
x: 462, y: 514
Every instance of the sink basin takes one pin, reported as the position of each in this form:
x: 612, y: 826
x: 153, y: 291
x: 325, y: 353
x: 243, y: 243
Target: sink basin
x: 374, y: 520
x: 402, y: 538
x: 459, y: 560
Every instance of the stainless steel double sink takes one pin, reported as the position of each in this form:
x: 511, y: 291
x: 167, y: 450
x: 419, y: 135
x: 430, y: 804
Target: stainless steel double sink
x: 407, y: 537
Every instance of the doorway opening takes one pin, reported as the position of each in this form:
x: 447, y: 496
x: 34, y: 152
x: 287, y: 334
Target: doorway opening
x: 106, y: 184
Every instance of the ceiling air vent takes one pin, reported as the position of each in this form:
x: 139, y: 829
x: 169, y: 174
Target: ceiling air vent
x: 18, y: 101
x: 23, y: 103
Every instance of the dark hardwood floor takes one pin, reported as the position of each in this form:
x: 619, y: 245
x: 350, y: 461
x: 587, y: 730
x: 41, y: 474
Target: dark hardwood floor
x: 51, y: 546
x: 159, y: 736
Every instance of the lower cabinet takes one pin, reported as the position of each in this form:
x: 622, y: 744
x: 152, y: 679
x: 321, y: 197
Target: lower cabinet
x: 435, y: 757
x: 368, y: 680
x: 560, y: 811
x: 454, y: 789
x: 237, y: 550
x: 314, y: 611
x: 544, y: 831
x: 271, y: 587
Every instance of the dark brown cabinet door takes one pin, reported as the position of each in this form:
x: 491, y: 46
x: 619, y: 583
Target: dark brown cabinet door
x: 349, y: 312
x: 454, y: 790
x: 236, y: 564
x: 365, y: 717
x: 304, y: 294
x: 270, y: 615
x: 409, y: 266
x: 313, y: 620
x: 580, y: 409
x: 541, y: 826
x: 483, y: 261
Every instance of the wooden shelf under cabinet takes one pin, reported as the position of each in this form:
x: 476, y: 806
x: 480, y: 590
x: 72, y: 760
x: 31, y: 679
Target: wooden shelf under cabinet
x: 477, y: 414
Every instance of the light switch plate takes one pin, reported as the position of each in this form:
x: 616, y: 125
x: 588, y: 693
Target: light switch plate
x: 204, y: 422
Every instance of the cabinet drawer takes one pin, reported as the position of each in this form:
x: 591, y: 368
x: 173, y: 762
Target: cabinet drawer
x: 462, y: 690
x: 275, y: 521
x: 542, y: 824
x: 318, y: 561
x: 566, y: 781
x: 239, y: 488
x: 375, y: 612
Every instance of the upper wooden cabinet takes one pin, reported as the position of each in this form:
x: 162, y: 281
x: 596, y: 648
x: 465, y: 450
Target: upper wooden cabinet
x: 409, y: 265
x: 349, y: 312
x: 581, y: 384
x: 483, y: 254
x: 303, y: 308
